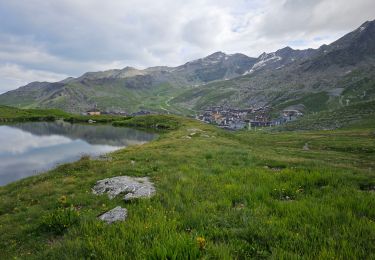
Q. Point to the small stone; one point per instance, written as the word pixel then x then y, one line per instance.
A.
pixel 306 147
pixel 116 214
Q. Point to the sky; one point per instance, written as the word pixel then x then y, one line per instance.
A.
pixel 49 40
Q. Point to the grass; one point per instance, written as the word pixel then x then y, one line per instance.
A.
pixel 8 114
pixel 160 122
pixel 359 115
pixel 109 95
pixel 12 114
pixel 220 195
pixel 312 103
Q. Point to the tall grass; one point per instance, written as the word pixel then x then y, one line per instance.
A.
pixel 220 195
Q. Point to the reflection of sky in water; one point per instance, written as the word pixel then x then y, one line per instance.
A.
pixel 24 154
pixel 15 141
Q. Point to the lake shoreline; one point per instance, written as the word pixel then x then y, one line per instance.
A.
pixel 30 148
pixel 219 194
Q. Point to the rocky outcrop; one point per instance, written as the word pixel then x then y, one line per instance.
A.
pixel 116 214
pixel 132 187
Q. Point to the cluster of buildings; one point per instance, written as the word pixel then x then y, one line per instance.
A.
pixel 235 118
pixel 224 117
pixel 229 118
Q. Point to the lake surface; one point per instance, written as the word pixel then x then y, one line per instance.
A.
pixel 30 148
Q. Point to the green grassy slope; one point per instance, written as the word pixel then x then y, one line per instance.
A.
pixel 279 89
pixel 358 115
pixel 77 97
pixel 219 195
pixel 15 114
pixel 12 114
pixel 313 91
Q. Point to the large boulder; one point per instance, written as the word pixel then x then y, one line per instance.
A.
pixel 116 214
pixel 132 187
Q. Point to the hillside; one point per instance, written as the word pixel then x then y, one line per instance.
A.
pixel 128 89
pixel 8 114
pixel 318 79
pixel 353 116
pixel 332 76
pixel 245 195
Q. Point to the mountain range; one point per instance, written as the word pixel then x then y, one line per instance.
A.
pixel 313 80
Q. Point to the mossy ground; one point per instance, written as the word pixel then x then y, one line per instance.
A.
pixel 220 195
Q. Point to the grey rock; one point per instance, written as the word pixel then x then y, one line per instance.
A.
pixel 132 187
pixel 116 214
pixel 306 147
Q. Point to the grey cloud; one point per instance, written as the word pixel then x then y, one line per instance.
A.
pixel 13 76
pixel 314 17
pixel 43 40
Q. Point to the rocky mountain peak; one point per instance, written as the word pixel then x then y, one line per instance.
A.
pixel 285 50
pixel 128 68
pixel 216 55
pixel 287 66
pixel 367 25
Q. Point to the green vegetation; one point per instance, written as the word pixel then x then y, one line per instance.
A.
pixel 12 114
pixel 9 114
pixel 162 122
pixel 312 103
pixel 211 94
pixel 59 220
pixel 99 119
pixel 359 86
pixel 219 195
pixel 77 97
pixel 358 115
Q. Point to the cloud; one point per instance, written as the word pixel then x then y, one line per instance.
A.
pixel 13 76
pixel 310 18
pixel 15 141
pixel 46 39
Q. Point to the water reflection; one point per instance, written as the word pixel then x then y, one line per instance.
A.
pixel 29 148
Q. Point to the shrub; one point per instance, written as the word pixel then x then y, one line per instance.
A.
pixel 59 220
pixel 160 122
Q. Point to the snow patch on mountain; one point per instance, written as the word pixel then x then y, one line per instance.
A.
pixel 264 59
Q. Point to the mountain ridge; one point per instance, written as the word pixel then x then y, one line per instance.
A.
pixel 219 78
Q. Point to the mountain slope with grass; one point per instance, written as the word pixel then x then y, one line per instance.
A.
pixel 357 115
pixel 245 195
pixel 128 89
pixel 332 76
pixel 318 79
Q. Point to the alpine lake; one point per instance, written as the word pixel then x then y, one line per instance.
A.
pixel 31 148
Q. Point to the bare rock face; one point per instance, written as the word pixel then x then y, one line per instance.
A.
pixel 116 214
pixel 132 187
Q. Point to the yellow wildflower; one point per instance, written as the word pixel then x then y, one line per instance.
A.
pixel 201 242
pixel 62 199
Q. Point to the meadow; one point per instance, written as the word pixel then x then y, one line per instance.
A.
pixel 220 195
